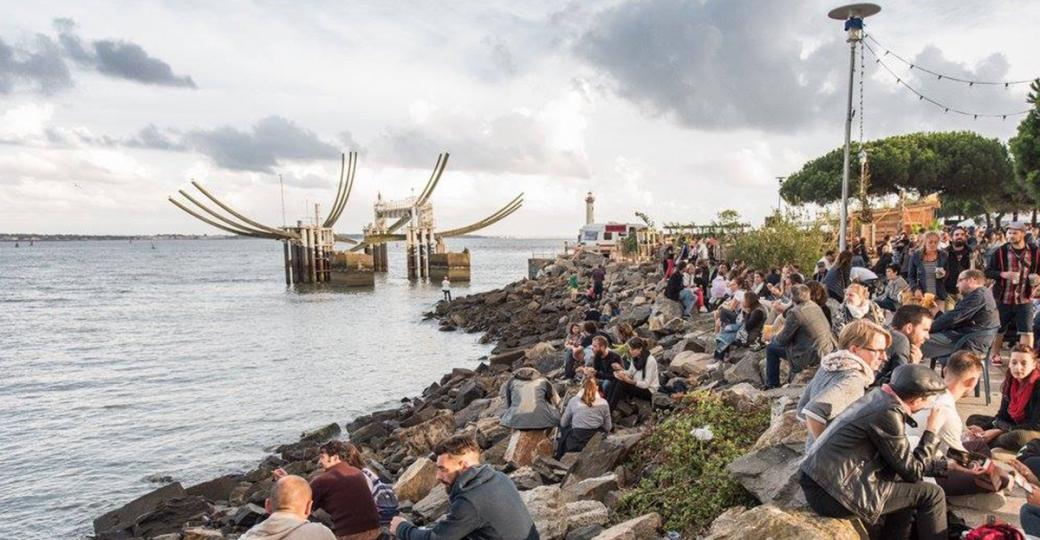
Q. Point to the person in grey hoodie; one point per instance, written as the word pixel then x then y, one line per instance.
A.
pixel 288 506
pixel 844 375
pixel 484 503
pixel 531 402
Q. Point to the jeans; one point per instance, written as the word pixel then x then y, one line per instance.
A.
pixel 688 299
pixel 1029 516
pixel 774 354
pixel 908 502
pixel 618 390
pixel 940 345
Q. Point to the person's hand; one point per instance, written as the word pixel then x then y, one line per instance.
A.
pixel 915 354
pixel 278 474
pixel 935 420
pixel 1006 275
pixel 1034 497
pixel 976 430
pixel 395 523
pixel 918 294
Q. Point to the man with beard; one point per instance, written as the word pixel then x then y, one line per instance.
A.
pixel 484 502
pixel 959 260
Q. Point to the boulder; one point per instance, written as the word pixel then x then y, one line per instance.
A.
pixel 551 470
pixel 525 478
pixel 525 446
pixel 590 488
pixel 489 431
pixel 468 392
pixel 691 364
pixel 420 439
pixel 248 515
pixel 218 489
pixel 601 455
pixel 584 533
pixel 636 316
pixel 417 480
pixel 745 370
pixel 369 433
pixel 770 469
pixel 322 434
pixel 641 528
pixel 201 533
pixel 172 515
pixel 743 397
pixel 471 412
pixel 433 505
pixel 768 521
pixel 670 309
pixel 126 516
pixel 583 514
pixel 547 510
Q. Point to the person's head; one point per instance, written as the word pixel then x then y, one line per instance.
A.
pixel 931 241
pixel 455 454
pixel 800 294
pixel 959 237
pixel 625 331
pixel 599 346
pixel 589 391
pixel 916 385
pixel 969 280
pixel 845 260
pixel 636 346
pixel 1016 233
pixel 913 321
pixel 751 302
pixel 962 372
pixel 589 327
pixel 736 284
pixel 574 329
pixel 291 494
pixel 856 294
pixel 1023 361
pixel 723 268
pixel 760 277
pixel 680 266
pixel 333 453
pixel 867 340
pixel 817 292
pixel 829 255
pixel 892 271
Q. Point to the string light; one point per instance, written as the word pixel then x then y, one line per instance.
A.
pixel 940 76
pixel 944 107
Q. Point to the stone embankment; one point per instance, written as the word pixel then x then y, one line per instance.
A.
pixel 572 498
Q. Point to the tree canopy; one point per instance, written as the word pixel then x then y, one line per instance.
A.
pixel 1025 146
pixel 971 173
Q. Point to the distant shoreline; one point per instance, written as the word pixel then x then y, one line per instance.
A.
pixel 26 237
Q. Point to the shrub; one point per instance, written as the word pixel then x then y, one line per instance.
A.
pixel 780 241
pixel 684 478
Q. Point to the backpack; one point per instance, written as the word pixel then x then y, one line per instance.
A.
pixel 384 497
pixel 994 531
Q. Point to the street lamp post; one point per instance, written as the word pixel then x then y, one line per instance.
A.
pixel 853 15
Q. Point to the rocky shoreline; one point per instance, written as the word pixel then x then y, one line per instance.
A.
pixel 574 498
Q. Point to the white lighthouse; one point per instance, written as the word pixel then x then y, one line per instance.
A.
pixel 589 212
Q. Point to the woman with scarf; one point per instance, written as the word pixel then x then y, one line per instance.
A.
pixel 1018 420
pixel 857 305
pixel 640 380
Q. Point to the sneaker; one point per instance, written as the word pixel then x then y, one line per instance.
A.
pixel 703 309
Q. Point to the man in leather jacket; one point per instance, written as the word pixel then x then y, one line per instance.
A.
pixel 863 464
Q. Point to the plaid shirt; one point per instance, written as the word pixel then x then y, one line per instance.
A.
pixel 1018 261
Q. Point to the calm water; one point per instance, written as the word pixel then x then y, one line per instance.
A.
pixel 119 361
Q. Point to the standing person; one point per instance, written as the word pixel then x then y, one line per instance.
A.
pixel 640 380
pixel 342 492
pixel 585 415
pixel 1014 268
pixel 910 327
pixel 839 276
pixel 484 503
pixel 804 340
pixel 928 268
pixel 958 259
pixel 961 375
pixel 863 464
pixel 288 507
pixel 446 289
pixel 844 375
pixel 1018 420
pixel 598 275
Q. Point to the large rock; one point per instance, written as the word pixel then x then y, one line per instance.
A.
pixel 601 455
pixel 691 364
pixel 127 515
pixel 525 446
pixel 369 433
pixel 547 510
pixel 641 528
pixel 636 316
pixel 590 488
pixel 322 434
pixel 670 309
pixel 199 533
pixel 770 469
pixel 417 480
pixel 218 489
pixel 746 370
pixel 420 439
pixel 172 515
pixel 768 521
pixel 583 514
pixel 468 392
pixel 525 478
pixel 433 505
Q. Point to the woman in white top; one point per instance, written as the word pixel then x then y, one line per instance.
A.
pixel 640 380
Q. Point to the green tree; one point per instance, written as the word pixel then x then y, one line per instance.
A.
pixel 971 173
pixel 1025 146
pixel 780 241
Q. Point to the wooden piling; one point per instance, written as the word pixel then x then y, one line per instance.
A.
pixel 285 255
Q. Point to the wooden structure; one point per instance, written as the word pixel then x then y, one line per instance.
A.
pixel 905 217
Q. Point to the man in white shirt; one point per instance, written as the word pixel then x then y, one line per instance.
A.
pixel 961 375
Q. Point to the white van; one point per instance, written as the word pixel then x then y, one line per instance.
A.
pixel 604 237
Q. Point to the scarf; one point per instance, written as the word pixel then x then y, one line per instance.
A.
pixel 843 360
pixel 1019 393
pixel 858 312
pixel 639 362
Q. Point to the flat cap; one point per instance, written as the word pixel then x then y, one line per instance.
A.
pixel 1016 226
pixel 916 380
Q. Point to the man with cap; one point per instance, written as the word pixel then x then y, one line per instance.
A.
pixel 863 464
pixel 1013 267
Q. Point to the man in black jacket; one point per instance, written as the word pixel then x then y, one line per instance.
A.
pixel 485 504
pixel 863 464
pixel 976 312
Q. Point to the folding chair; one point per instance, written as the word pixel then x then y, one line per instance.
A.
pixel 987 336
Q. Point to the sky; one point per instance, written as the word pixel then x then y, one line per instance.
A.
pixel 675 108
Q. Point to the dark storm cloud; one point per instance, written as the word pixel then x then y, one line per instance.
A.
pixel 272 139
pixel 38 65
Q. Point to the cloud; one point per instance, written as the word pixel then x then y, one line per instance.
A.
pixel 39 66
pixel 271 139
pixel 151 136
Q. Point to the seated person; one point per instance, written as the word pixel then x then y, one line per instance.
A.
pixel 857 305
pixel 910 325
pixel 974 313
pixel 895 284
pixel 961 375
pixel 746 331
pixel 1018 420
pixel 640 380
pixel 863 464
pixel 589 331
pixel 844 375
pixel 804 339
pixel 288 507
pixel 604 362
pixel 586 414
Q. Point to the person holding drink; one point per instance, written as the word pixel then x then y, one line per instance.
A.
pixel 1013 267
pixel 928 269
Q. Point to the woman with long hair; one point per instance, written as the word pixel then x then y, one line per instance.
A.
pixel 839 276
pixel 927 271
pixel 586 414
pixel 640 380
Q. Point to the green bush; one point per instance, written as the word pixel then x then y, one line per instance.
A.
pixel 684 479
pixel 780 241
